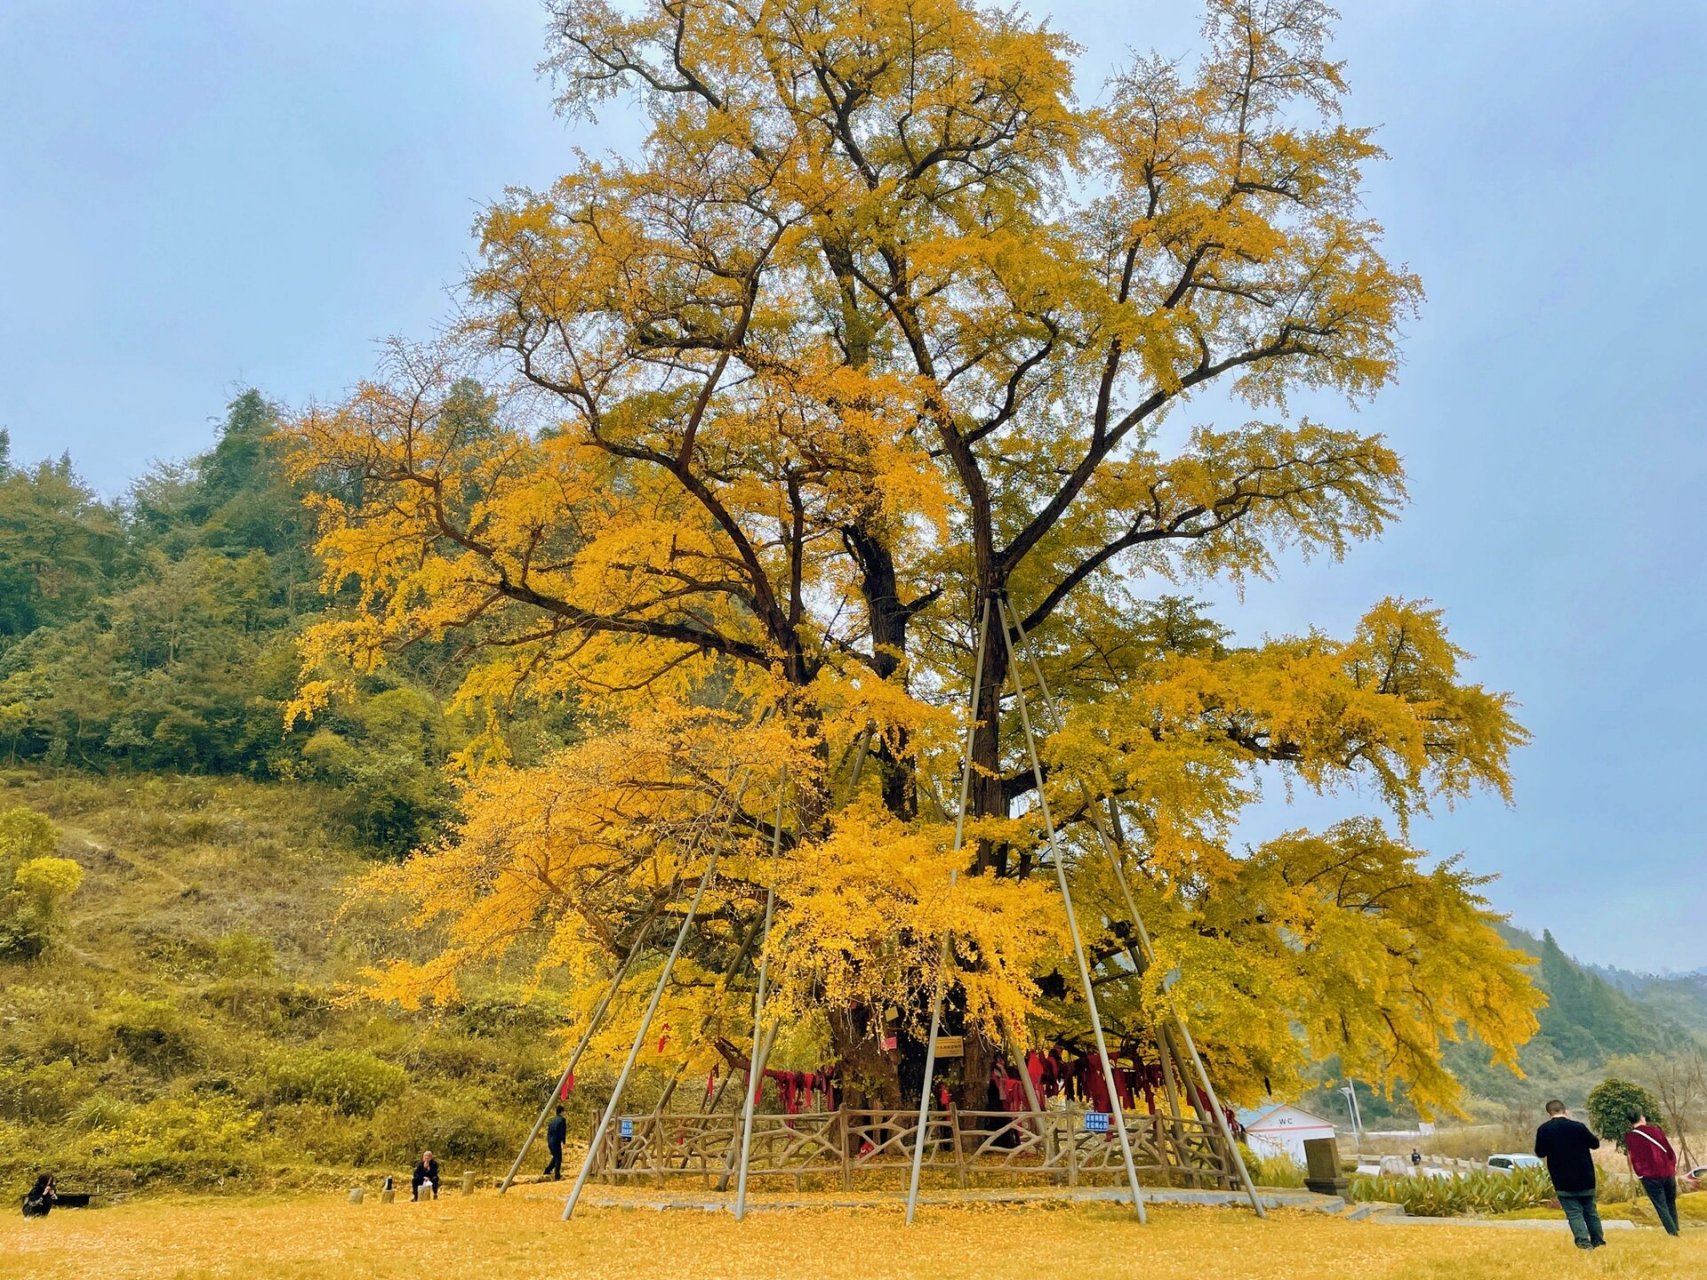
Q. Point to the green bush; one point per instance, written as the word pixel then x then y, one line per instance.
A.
pixel 458 1121
pixel 99 1111
pixel 241 954
pixel 1613 1106
pixel 349 1081
pixel 1477 1193
pixel 34 884
pixel 1273 1171
pixel 191 1142
pixel 154 1034
pixel 40 1094
pixel 25 834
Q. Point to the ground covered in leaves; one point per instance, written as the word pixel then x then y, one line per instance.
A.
pixel 305 1238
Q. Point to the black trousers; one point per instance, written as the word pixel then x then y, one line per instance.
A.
pixel 1663 1192
pixel 554 1167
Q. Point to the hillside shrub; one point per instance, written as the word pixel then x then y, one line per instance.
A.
pixel 347 1080
pixel 99 1111
pixel 154 1034
pixel 189 1141
pixel 40 1094
pixel 34 883
pixel 25 834
pixel 241 954
pixel 455 1120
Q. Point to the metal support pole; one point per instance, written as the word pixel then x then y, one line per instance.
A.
pixel 953 876
pixel 1146 951
pixel 757 1078
pixel 587 1034
pixel 646 1018
pixel 1072 916
pixel 1025 1081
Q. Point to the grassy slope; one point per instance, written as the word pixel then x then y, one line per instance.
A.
pixel 514 1237
pixel 185 1030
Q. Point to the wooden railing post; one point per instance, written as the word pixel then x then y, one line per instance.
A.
pixel 847 1147
pixel 1072 1149
pixel 959 1151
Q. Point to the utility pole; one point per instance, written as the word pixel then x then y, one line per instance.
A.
pixel 1352 1110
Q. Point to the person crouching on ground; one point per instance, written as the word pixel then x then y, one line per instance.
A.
pixel 426 1174
pixel 1655 1163
pixel 1565 1144
pixel 41 1198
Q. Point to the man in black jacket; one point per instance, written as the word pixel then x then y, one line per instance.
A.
pixel 555 1133
pixel 1565 1144
pixel 426 1175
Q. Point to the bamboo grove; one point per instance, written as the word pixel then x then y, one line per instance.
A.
pixel 734 437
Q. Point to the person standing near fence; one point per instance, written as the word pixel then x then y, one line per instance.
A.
pixel 555 1133
pixel 1654 1162
pixel 1565 1144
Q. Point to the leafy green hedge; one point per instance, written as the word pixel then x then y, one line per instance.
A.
pixel 1478 1193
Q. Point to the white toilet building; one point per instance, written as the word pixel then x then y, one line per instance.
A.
pixel 1282 1130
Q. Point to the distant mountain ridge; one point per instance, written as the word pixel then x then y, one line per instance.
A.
pixel 1682 997
pixel 1593 1015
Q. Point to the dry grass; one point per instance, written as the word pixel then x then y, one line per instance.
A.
pixel 484 1238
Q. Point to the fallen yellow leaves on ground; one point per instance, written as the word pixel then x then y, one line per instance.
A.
pixel 488 1238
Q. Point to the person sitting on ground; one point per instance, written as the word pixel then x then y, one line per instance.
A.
pixel 41 1198
pixel 426 1174
pixel 1654 1162
pixel 1565 1144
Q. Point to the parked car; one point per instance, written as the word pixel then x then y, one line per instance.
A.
pixel 1507 1161
pixel 1694 1180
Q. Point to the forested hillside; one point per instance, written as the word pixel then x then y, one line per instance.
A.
pixel 1682 997
pixel 157 633
pixel 172 961
pixel 1588 1025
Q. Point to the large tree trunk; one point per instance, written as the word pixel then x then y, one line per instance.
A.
pixel 869 1072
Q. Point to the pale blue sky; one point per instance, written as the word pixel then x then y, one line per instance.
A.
pixel 196 197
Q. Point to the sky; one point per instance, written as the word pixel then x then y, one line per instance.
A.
pixel 200 197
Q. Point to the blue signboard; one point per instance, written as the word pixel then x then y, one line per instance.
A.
pixel 1096 1122
pixel 627 1127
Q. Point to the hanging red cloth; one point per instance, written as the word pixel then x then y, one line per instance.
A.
pixel 1013 1094
pixel 1055 1072
pixel 1096 1084
pixel 1035 1069
pixel 568 1086
pixel 1123 1080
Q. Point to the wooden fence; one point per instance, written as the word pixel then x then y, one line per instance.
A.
pixel 827 1147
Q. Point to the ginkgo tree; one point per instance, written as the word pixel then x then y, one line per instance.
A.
pixel 881 323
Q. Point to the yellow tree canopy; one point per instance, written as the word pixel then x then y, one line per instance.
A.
pixel 738 435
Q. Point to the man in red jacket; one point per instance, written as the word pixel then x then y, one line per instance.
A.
pixel 1655 1163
